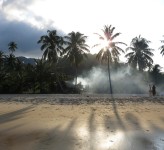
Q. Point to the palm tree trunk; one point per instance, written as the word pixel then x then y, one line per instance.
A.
pixel 61 87
pixel 110 84
pixel 76 76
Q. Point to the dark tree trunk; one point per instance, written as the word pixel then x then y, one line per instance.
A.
pixel 76 76
pixel 110 83
pixel 61 87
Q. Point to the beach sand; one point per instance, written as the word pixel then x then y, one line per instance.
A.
pixel 81 122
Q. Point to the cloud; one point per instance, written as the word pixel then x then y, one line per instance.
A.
pixel 24 34
pixel 21 4
pixel 20 24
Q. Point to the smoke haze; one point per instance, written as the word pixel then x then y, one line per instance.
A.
pixel 124 81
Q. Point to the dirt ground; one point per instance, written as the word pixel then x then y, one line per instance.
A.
pixel 124 125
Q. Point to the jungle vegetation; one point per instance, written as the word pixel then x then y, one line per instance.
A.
pixel 65 58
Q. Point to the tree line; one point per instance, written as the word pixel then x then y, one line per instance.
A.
pixel 65 57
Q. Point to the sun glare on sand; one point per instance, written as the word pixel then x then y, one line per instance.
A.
pixel 100 139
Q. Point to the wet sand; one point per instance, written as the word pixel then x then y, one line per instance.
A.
pixel 81 122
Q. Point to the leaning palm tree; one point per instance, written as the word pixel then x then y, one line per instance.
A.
pixel 162 48
pixel 109 50
pixel 76 49
pixel 51 45
pixel 12 46
pixel 140 54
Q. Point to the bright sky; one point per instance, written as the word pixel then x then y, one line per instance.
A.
pixel 130 17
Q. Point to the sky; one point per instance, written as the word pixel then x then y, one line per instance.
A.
pixel 24 21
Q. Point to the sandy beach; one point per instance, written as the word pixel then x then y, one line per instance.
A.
pixel 81 122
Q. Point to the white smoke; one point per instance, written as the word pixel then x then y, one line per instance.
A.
pixel 125 81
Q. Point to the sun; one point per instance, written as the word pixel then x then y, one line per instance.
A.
pixel 105 43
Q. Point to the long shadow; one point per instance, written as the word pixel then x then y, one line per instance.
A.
pixel 21 140
pixel 137 138
pixel 59 139
pixel 48 139
pixel 9 129
pixel 14 114
pixel 115 110
pixel 92 131
pixel 152 139
pixel 133 120
pixel 110 123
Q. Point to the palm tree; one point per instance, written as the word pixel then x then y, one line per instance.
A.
pixel 51 45
pixel 2 70
pixel 109 50
pixel 2 56
pixel 42 69
pixel 12 46
pixel 30 77
pixel 76 49
pixel 20 74
pixel 156 74
pixel 11 62
pixel 140 54
pixel 162 48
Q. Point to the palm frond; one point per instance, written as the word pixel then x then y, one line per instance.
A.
pixel 95 45
pixel 114 36
pixel 120 43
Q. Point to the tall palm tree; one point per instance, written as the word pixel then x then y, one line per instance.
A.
pixel 162 48
pixel 51 45
pixel 12 46
pixel 76 49
pixel 140 54
pixel 109 50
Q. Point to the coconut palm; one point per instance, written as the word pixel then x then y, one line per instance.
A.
pixel 42 69
pixel 162 48
pixel 11 62
pixel 140 54
pixel 109 50
pixel 51 45
pixel 76 49
pixel 12 46
pixel 2 56
pixel 2 69
pixel 156 74
pixel 20 74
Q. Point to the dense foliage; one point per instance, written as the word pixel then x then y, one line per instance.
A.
pixel 56 71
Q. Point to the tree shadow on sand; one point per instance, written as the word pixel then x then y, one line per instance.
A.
pixel 137 138
pixel 92 130
pixel 117 115
pixel 17 114
pixel 59 139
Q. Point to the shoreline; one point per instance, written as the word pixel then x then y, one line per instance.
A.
pixel 78 99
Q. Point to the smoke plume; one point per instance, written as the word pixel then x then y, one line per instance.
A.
pixel 124 81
